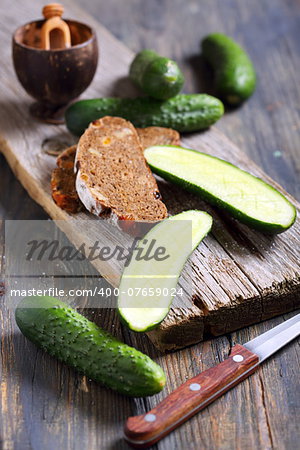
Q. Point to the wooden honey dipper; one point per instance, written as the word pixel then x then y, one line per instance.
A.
pixel 55 33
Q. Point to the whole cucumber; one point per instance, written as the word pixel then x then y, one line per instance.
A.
pixel 67 335
pixel 182 113
pixel 235 77
pixel 157 76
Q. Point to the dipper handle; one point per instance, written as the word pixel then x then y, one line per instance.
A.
pixel 53 10
pixel 55 32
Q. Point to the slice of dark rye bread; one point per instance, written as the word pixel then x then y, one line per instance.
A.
pixel 63 178
pixel 112 174
pixel 158 136
pixel 63 189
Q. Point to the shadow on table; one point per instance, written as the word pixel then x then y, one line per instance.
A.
pixel 124 87
pixel 56 396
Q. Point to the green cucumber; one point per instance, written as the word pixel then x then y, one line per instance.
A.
pixel 73 339
pixel 147 288
pixel 246 197
pixel 182 113
pixel 157 76
pixel 235 77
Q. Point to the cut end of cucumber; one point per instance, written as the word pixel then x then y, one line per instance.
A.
pixel 246 197
pixel 147 288
pixel 141 319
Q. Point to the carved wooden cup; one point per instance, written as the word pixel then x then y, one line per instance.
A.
pixel 54 77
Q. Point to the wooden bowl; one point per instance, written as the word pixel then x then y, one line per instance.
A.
pixel 54 77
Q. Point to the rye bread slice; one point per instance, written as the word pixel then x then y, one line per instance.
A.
pixel 66 159
pixel 63 189
pixel 63 181
pixel 112 174
pixel 158 136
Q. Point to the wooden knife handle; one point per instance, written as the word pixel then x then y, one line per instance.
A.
pixel 192 396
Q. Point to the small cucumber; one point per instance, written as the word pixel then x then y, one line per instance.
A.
pixel 157 76
pixel 235 77
pixel 147 288
pixel 246 197
pixel 70 337
pixel 182 113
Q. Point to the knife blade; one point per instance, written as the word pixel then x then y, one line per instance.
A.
pixel 273 340
pixel 145 430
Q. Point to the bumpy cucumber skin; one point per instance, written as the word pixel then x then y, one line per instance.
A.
pixel 157 76
pixel 184 113
pixel 239 215
pixel 235 77
pixel 73 339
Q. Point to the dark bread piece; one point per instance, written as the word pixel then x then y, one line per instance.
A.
pixel 158 136
pixel 63 181
pixel 66 159
pixel 63 190
pixel 112 173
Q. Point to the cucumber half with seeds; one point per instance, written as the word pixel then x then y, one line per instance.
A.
pixel 246 197
pixel 147 287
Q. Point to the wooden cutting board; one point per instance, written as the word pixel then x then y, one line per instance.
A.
pixel 239 276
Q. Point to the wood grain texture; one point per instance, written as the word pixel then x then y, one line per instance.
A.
pixel 45 405
pixel 236 276
pixel 192 396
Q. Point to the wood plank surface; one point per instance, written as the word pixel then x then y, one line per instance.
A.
pixel 235 277
pixel 45 405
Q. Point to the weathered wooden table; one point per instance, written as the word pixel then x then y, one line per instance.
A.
pixel 45 405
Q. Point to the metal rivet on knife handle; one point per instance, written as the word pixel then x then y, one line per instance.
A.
pixel 238 358
pixel 195 387
pixel 150 417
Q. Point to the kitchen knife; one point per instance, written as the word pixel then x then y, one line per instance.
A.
pixel 196 393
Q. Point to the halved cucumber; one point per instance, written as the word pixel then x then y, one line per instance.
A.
pixel 148 287
pixel 246 197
